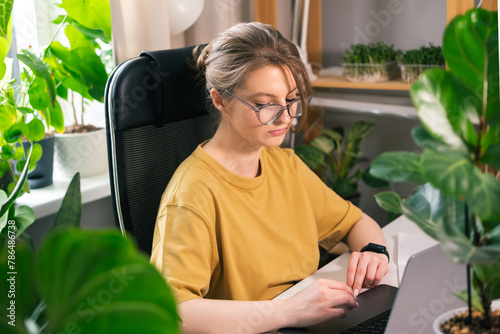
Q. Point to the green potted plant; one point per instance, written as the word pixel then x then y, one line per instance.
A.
pixel 37 103
pixel 457 202
pixel 335 157
pixel 81 70
pixel 374 62
pixel 80 281
pixel 29 113
pixel 415 61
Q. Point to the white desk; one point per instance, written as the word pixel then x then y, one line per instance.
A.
pixel 337 269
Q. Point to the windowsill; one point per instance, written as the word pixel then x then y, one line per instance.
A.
pixel 46 201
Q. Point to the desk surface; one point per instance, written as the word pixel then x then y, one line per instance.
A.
pixel 337 269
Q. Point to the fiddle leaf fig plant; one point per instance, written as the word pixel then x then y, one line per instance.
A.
pixel 458 198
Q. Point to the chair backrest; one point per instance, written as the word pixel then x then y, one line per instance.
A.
pixel 155 117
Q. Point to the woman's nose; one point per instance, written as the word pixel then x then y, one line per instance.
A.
pixel 284 117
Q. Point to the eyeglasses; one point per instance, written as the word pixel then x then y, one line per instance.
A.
pixel 268 113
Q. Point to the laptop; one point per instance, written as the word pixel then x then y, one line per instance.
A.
pixel 426 291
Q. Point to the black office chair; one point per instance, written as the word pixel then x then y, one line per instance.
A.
pixel 155 117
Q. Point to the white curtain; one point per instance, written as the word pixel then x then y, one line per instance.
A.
pixel 143 25
pixel 139 25
pixel 217 16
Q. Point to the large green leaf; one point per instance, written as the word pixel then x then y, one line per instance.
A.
pixel 37 92
pixel 398 167
pixel 34 130
pixel 357 132
pixel 493 236
pixel 24 216
pixel 311 156
pixel 492 156
pixel 333 134
pixel 14 133
pixel 93 14
pixel 484 197
pixel 19 270
pixel 490 147
pixel 344 187
pixel 41 70
pixel 443 108
pixel 7 116
pixel 490 277
pixel 71 207
pixel 57 118
pixel 83 61
pixel 97 282
pixel 452 172
pixel 470 47
pixel 423 138
pixel 66 79
pixel 5 28
pixel 428 208
pixel 373 181
pixel 390 201
pixel 461 250
pixel 324 144
pixel 476 300
pixel 5 14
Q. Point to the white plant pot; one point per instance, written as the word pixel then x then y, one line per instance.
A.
pixel 81 152
pixel 495 305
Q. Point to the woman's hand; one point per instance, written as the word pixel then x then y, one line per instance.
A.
pixel 366 270
pixel 322 300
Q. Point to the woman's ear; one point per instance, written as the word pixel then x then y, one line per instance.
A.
pixel 217 100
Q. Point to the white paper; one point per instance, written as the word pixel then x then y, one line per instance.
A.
pixel 409 244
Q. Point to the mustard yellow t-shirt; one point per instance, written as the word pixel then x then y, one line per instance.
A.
pixel 219 235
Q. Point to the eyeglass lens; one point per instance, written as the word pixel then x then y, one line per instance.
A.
pixel 271 113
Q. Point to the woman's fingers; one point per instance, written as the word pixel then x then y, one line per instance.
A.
pixel 365 270
pixel 322 300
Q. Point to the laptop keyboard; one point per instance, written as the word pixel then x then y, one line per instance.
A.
pixel 372 326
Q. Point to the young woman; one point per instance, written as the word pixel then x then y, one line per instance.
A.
pixel 241 218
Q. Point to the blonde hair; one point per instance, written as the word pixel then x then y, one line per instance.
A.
pixel 246 47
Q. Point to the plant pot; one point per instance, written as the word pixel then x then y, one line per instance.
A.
pixel 5 180
pixel 495 305
pixel 81 152
pixel 42 175
pixel 370 72
pixel 411 72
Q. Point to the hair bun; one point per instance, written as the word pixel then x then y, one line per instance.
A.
pixel 200 54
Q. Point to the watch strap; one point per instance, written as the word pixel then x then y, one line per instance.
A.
pixel 376 248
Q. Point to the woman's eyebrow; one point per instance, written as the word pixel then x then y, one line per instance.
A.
pixel 263 94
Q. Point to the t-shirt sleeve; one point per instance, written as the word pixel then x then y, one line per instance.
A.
pixel 183 252
pixel 334 215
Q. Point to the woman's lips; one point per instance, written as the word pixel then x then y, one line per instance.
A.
pixel 278 132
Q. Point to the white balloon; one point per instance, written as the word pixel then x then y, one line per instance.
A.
pixel 183 14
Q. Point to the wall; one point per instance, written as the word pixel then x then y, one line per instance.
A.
pixel 405 23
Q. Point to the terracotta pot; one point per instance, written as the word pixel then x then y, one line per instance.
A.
pixel 81 152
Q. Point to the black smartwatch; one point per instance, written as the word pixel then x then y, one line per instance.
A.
pixel 371 247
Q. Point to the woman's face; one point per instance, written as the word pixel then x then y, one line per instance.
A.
pixel 268 85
